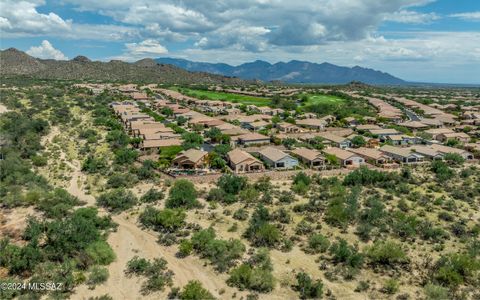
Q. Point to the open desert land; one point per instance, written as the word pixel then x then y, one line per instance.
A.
pixel 125 192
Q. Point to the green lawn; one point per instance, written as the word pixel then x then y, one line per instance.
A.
pixel 324 99
pixel 235 98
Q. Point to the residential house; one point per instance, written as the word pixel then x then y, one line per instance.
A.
pixel 288 127
pixel 345 157
pixel 336 140
pixel 243 162
pixel 255 125
pixel 312 158
pixel 437 131
pixel 278 159
pixel 426 151
pixel 402 139
pixel 190 159
pixel 446 149
pixel 372 156
pixel 157 144
pixel 459 136
pixel 402 155
pixel 316 124
pixel 384 132
pixel 252 139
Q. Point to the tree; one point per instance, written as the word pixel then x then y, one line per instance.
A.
pixel 182 194
pixel 125 156
pixel 166 220
pixel 191 140
pixel 117 200
pixel 232 184
pixel 386 253
pixel 307 288
pixel 195 291
pixel 358 141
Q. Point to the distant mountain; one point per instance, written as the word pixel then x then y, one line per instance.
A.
pixel 293 72
pixel 16 62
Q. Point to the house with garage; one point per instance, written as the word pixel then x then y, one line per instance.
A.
pixel 383 133
pixel 446 149
pixel 243 162
pixel 315 124
pixel 336 140
pixel 346 158
pixel 277 159
pixel 312 158
pixel 427 151
pixel 402 155
pixel 372 156
pixel 190 159
pixel 252 139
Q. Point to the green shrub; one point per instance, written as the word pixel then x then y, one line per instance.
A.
pixel 152 195
pixel 436 292
pixel 182 194
pixel 167 220
pixel 386 253
pixel 307 288
pixel 232 184
pixel 185 248
pixel 391 286
pixel 97 276
pixel 100 253
pixel 343 253
pixel 318 243
pixel 117 200
pixel 195 291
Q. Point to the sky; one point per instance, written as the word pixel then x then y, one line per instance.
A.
pixel 416 40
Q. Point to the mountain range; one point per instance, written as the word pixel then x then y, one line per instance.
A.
pixel 14 62
pixel 292 72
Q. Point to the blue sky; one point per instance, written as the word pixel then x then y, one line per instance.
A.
pixel 416 40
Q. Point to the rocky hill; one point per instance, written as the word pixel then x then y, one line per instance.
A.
pixel 293 72
pixel 15 62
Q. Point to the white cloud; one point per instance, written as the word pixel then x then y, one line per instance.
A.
pixel 146 49
pixel 411 17
pixel 469 16
pixel 46 51
pixel 22 18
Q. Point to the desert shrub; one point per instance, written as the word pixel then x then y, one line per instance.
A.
pixel 152 195
pixel 307 288
pixel 343 253
pixel 39 160
pixel 120 180
pixel 455 268
pixel 167 220
pixel 318 243
pixel 97 276
pixel 100 253
pixel 219 195
pixel 436 292
pixel 125 156
pixel 286 197
pixel 195 291
pixel 240 214
pixel 182 194
pixel 185 248
pixel 366 176
pixel 232 184
pixel 249 195
pixel 391 286
pixel 441 170
pixel 117 200
pixel 260 232
pixel 281 215
pixel 386 253
pixel 221 253
pixel 94 164
pixel 453 159
pixel 255 275
pixel 156 271
pixel 57 203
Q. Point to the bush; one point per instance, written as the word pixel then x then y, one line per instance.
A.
pixel 185 248
pixel 195 291
pixel 152 195
pixel 390 286
pixel 455 268
pixel 232 184
pixel 125 156
pixel 240 214
pixel 386 253
pixel 100 253
pixel 119 180
pixel 182 194
pixel 117 200
pixel 318 243
pixel 167 220
pixel 307 288
pixel 97 276
pixel 247 277
pixel 259 231
pixel 94 164
pixel 348 255
pixel 39 160
pixel 441 170
pixel 156 272
pixel 436 292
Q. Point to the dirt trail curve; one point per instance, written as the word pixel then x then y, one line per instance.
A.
pixel 129 240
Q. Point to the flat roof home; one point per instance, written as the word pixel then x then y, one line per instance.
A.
pixel 401 155
pixel 243 162
pixel 317 124
pixel 156 144
pixel 336 140
pixel 446 149
pixel 459 136
pixel 252 139
pixel 372 156
pixel 190 159
pixel 427 151
pixel 345 157
pixel 312 158
pixel 382 133
pixel 278 159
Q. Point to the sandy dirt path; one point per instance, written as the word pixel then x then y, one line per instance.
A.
pixel 3 108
